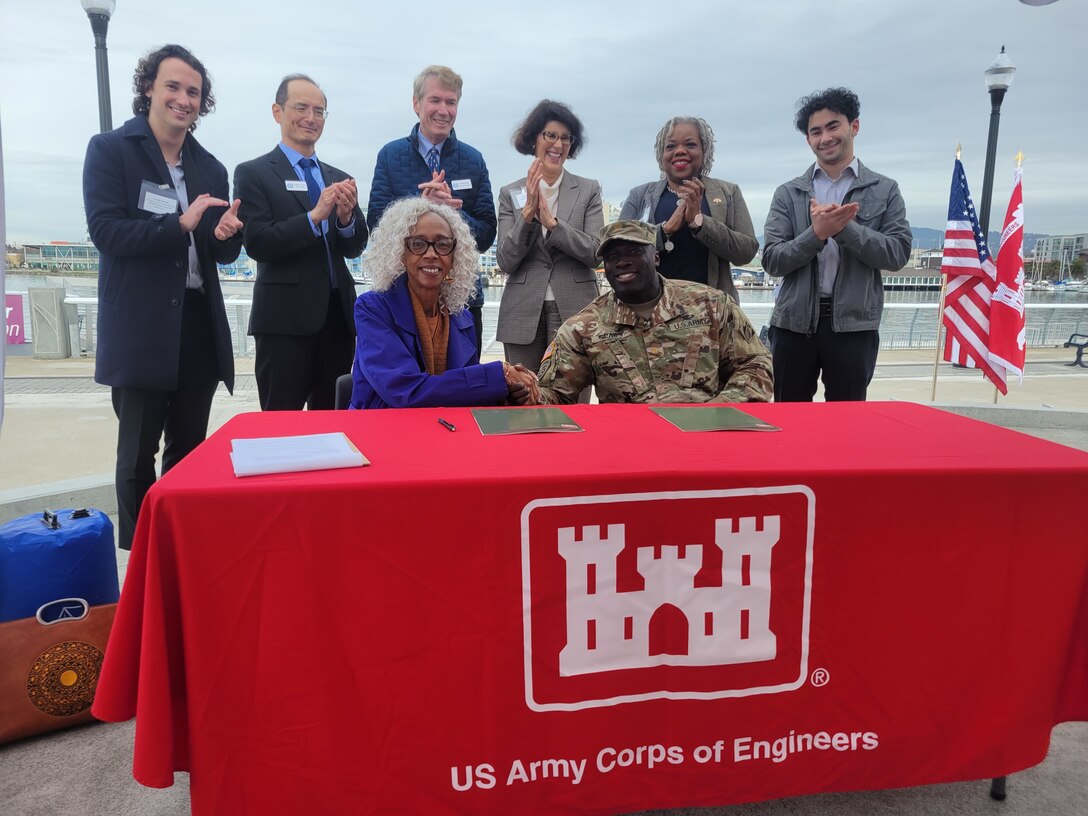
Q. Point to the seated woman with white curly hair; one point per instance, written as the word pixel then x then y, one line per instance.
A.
pixel 416 344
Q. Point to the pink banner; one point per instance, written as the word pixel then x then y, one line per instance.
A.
pixel 13 319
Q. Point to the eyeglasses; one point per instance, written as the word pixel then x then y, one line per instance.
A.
pixel 620 253
pixel 551 138
pixel 302 111
pixel 441 246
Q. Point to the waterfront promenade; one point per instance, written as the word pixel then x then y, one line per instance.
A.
pixel 57 447
pixel 60 432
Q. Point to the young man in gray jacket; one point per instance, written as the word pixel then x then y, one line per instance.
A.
pixel 829 233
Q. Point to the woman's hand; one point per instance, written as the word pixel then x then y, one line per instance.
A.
pixel 544 213
pixel 676 220
pixel 691 194
pixel 532 191
pixel 521 385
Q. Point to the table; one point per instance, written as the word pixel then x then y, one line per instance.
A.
pixel 879 595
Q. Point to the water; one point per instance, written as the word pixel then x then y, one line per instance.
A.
pixel 907 323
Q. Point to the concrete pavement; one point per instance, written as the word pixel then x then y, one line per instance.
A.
pixel 57 448
pixel 59 430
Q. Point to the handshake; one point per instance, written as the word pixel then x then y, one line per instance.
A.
pixel 521 385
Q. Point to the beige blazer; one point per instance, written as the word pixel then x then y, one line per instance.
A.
pixel 566 259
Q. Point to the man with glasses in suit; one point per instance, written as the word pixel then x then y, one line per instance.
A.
pixel 302 219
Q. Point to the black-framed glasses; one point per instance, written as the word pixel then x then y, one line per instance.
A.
pixel 441 246
pixel 302 111
pixel 552 137
pixel 620 253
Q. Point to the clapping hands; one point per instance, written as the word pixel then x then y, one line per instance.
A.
pixel 438 191
pixel 828 220
pixel 536 205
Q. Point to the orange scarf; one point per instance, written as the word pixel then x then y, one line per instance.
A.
pixel 434 336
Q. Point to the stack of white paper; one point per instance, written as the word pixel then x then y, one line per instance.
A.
pixel 290 454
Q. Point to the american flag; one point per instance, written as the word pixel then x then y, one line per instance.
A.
pixel 971 282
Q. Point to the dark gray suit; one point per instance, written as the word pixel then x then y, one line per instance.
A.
pixel 292 297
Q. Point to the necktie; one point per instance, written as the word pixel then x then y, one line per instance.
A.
pixel 312 187
pixel 314 190
pixel 432 159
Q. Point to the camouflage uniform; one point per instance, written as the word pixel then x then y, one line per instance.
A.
pixel 697 346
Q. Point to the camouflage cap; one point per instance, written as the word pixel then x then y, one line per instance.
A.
pixel 637 232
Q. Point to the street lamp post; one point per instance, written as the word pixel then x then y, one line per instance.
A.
pixel 99 13
pixel 998 80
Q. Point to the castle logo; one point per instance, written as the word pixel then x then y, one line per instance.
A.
pixel 679 595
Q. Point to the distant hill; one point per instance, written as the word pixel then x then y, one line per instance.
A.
pixel 927 238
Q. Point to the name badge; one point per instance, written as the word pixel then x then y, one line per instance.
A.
pixel 461 184
pixel 519 198
pixel 159 199
pixel 296 186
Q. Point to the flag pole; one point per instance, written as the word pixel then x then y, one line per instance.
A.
pixel 940 314
pixel 940 327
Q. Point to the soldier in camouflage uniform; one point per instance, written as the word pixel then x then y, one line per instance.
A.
pixel 653 339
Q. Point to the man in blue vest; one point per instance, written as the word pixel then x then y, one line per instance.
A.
pixel 432 162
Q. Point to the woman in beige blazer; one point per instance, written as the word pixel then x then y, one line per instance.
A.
pixel 703 224
pixel 548 235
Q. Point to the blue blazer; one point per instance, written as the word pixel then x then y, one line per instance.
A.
pixel 144 258
pixel 389 370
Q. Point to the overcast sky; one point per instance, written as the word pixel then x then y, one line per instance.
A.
pixel 624 67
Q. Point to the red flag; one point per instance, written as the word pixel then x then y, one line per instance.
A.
pixel 971 282
pixel 1007 334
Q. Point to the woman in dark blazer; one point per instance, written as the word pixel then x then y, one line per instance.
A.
pixel 548 235
pixel 703 224
pixel 416 342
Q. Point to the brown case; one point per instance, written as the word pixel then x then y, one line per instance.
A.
pixel 49 672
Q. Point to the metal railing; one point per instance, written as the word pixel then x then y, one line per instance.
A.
pixel 902 326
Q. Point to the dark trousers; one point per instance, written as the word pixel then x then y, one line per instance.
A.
pixel 180 417
pixel 530 354
pixel 296 371
pixel 845 361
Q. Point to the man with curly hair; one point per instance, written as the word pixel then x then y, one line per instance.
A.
pixel 155 202
pixel 829 233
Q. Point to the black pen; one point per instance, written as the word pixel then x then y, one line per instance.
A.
pixel 447 425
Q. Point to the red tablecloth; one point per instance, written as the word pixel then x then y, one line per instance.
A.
pixel 879 595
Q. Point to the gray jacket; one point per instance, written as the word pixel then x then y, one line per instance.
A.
pixel 727 232
pixel 878 238
pixel 565 260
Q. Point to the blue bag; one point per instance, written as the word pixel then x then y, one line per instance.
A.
pixel 68 554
